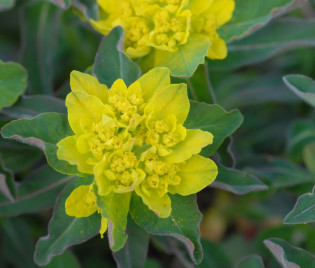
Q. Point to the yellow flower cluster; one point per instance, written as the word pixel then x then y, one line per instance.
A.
pixel 165 25
pixel 133 139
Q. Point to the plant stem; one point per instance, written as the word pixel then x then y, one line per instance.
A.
pixel 214 99
pixel 191 90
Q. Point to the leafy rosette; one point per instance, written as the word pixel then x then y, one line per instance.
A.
pixel 132 140
pixel 159 30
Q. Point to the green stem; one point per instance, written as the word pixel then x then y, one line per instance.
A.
pixel 191 90
pixel 214 99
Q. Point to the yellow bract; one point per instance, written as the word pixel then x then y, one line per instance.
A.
pixel 133 139
pixel 165 24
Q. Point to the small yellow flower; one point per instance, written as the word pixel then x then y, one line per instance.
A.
pixel 133 140
pixel 165 25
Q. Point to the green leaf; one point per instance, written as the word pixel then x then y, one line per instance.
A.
pixel 65 231
pixel 251 15
pixel 302 86
pixel 67 259
pixel 215 120
pixel 20 158
pixel 153 263
pixel 172 246
pixel 44 128
pixel 134 253
pixel 252 261
pixel 237 182
pixel 214 256
pixel 183 223
pixel 89 8
pixel 301 134
pixel 38 29
pixel 30 106
pixel 6 4
pixel 185 60
pixel 268 42
pixel 289 256
pixel 61 3
pixel 198 89
pixel 111 63
pixel 12 83
pixel 281 173
pixel 37 192
pixel 7 184
pixel 43 131
pixel 115 209
pixel 309 157
pixel 18 247
pixel 248 90
pixel 303 211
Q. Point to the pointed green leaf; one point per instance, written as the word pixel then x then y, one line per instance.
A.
pixel 215 120
pixel 289 256
pixel 12 83
pixel 253 261
pixel 303 211
pixel 30 106
pixel 237 182
pixel 37 192
pixel 186 59
pixel 111 63
pixel 43 131
pixel 65 231
pixel 268 42
pixel 134 253
pixel 183 223
pixel 281 173
pixel 302 86
pixel 115 209
pixel 251 15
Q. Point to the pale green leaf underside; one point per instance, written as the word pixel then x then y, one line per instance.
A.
pixel 302 86
pixel 288 255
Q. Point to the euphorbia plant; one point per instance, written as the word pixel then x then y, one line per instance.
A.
pixel 128 150
pixel 132 140
pixel 177 34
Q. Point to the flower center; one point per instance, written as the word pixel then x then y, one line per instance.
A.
pixel 126 9
pixel 138 27
pixel 159 175
pixel 206 25
pixel 170 29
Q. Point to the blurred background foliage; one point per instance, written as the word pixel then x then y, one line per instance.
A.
pixel 278 128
